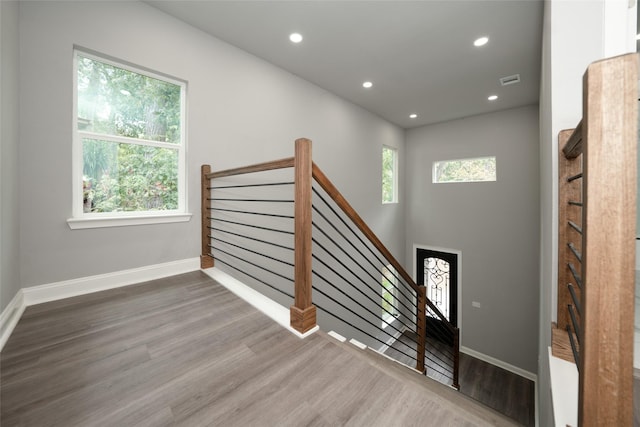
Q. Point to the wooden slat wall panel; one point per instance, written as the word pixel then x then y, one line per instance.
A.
pixel 567 191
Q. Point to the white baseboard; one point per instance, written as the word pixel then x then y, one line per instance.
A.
pixel 10 317
pixel 500 364
pixel 266 305
pixel 85 285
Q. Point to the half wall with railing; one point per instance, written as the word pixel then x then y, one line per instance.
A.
pixel 284 228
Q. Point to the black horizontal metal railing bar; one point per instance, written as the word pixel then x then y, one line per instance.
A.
pixel 574 297
pixel 252 213
pixel 574 348
pixel 448 354
pixel 341 248
pixel 440 334
pixel 275 288
pixel 249 238
pixel 290 264
pixel 445 370
pixel 574 321
pixel 357 289
pixel 377 326
pixel 575 226
pixel 223 199
pixel 575 251
pixel 330 283
pixel 352 325
pixel 252 263
pixel 575 275
pixel 317 193
pixel 571 202
pixel 574 177
pixel 395 275
pixel 266 184
pixel 252 226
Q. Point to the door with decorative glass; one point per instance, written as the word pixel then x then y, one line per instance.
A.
pixel 438 272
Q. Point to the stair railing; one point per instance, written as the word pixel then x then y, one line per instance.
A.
pixel 411 309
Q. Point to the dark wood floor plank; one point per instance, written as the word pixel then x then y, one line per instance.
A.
pixel 495 387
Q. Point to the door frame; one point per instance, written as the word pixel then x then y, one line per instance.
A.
pixel 458 254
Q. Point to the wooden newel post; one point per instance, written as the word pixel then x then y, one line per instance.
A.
pixel 456 359
pixel 206 259
pixel 421 327
pixel 303 312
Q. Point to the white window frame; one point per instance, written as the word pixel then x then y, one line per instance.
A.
pixel 387 318
pixel 434 167
pixel 395 175
pixel 81 219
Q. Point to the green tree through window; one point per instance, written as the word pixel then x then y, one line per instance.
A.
pixel 129 126
pixel 389 175
pixel 465 170
pixel 389 295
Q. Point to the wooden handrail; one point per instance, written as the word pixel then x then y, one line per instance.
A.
pixel 259 167
pixel 351 213
pixel 573 147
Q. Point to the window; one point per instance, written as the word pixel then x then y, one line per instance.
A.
pixel 389 175
pixel 389 295
pixel 129 142
pixel 465 170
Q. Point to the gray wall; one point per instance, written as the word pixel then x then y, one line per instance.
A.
pixel 240 110
pixel 9 219
pixel 494 224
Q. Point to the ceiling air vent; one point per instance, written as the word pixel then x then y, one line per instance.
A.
pixel 510 80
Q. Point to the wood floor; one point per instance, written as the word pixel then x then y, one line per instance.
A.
pixel 504 391
pixel 185 351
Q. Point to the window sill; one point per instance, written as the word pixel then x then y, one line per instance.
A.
pixel 123 221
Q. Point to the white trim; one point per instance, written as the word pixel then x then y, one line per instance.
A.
pixel 269 307
pixel 85 285
pixel 499 363
pixel 460 287
pixel 337 336
pixel 358 344
pixel 82 223
pixel 564 391
pixel 10 317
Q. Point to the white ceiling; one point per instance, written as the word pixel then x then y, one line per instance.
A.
pixel 418 54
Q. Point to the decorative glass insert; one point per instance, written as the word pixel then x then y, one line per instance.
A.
pixel 436 279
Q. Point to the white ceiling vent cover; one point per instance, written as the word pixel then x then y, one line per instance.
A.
pixel 510 80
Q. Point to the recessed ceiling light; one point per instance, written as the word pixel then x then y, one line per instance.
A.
pixel 492 97
pixel 367 85
pixel 481 41
pixel 413 116
pixel 125 92
pixel 295 37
